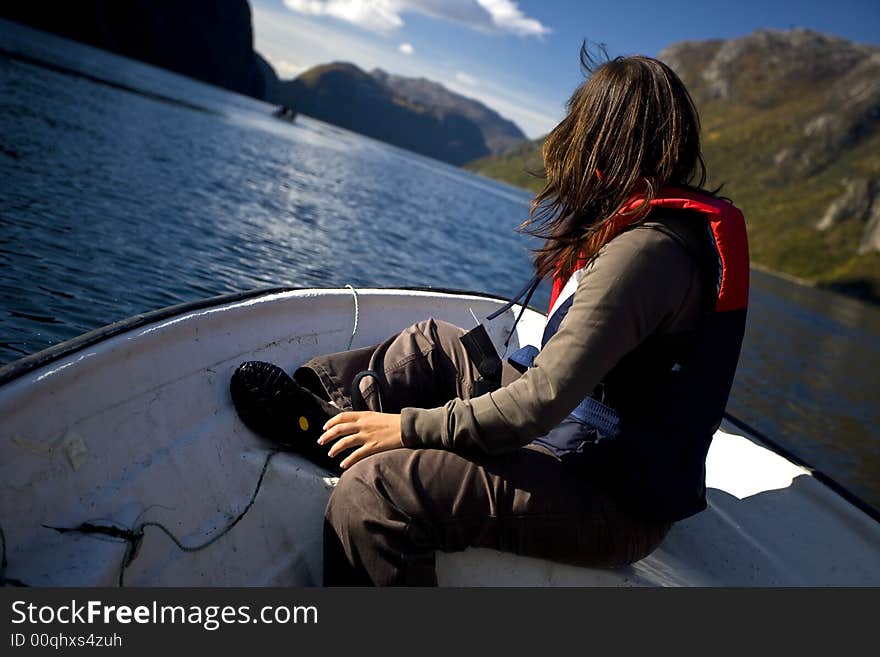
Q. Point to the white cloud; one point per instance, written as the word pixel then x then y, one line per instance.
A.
pixel 464 78
pixel 376 15
pixel 387 15
pixel 283 67
pixel 506 15
pixel 406 48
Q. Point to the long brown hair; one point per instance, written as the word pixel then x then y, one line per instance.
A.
pixel 631 127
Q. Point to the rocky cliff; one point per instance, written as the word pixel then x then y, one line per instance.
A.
pixel 210 40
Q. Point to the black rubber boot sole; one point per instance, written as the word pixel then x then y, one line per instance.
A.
pixel 276 407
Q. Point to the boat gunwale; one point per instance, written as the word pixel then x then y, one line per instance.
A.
pixel 27 364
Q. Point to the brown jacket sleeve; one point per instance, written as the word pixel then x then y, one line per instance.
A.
pixel 636 286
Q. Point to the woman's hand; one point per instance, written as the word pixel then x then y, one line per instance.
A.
pixel 368 431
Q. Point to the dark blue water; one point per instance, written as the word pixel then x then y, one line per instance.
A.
pixel 114 202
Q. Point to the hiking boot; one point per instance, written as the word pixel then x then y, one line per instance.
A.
pixel 274 406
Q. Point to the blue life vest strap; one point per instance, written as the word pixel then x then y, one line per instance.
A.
pixel 594 413
pixel 524 356
pixel 590 411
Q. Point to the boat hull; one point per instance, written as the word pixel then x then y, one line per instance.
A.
pixel 136 426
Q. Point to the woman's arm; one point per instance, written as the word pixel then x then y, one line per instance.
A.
pixel 638 282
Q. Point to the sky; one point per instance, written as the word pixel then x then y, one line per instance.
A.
pixel 520 57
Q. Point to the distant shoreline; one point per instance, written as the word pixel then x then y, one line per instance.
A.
pixel 791 278
pixel 872 301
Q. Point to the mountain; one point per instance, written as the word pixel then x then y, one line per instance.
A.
pixel 342 94
pixel 210 40
pixel 791 128
pixel 271 83
pixel 520 166
pixel 499 133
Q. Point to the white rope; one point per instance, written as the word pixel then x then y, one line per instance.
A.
pixel 356 316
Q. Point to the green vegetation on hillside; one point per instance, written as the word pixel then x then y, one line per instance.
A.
pixel 520 166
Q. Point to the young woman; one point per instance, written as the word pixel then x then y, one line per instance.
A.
pixel 586 452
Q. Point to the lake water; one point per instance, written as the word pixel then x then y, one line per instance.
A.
pixel 114 201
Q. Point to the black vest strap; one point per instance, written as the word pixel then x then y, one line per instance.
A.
pixel 527 291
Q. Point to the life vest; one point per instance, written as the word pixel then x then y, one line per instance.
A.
pixel 656 464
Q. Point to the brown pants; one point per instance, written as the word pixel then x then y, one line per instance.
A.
pixel 390 512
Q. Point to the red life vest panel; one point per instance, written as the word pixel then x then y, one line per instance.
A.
pixel 728 231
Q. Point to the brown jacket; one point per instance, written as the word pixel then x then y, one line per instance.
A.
pixel 643 283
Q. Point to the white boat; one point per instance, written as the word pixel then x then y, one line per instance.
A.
pixel 131 427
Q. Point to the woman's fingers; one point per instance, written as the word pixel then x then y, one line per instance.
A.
pixel 337 427
pixel 364 432
pixel 345 443
pixel 341 418
pixel 358 454
pixel 339 431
